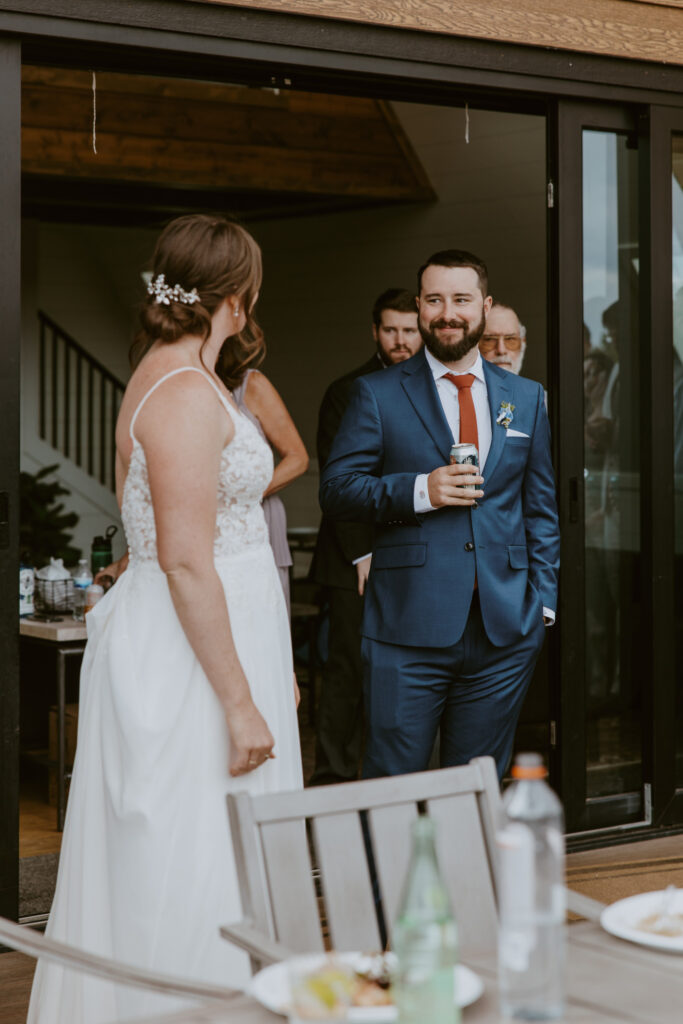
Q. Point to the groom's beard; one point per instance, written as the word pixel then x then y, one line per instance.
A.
pixel 452 351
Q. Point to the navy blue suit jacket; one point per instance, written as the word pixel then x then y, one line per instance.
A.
pixel 423 566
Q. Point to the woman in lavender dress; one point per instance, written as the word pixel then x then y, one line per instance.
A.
pixel 260 402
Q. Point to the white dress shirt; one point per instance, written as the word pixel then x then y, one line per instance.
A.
pixel 448 396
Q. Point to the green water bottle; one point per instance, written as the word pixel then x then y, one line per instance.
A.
pixel 425 938
pixel 100 553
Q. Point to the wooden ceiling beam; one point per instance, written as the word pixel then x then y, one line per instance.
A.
pixel 199 135
pixel 214 165
pixel 155 117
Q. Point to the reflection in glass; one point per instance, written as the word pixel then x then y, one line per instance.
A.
pixel 611 464
pixel 677 239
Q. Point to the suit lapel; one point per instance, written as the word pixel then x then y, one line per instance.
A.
pixel 418 383
pixel 498 391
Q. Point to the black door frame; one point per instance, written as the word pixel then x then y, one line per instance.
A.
pixel 236 44
pixel 659 528
pixel 653 127
pixel 10 318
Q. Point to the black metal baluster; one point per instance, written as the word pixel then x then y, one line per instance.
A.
pixel 53 389
pixel 112 440
pixel 41 371
pixel 79 410
pixel 103 445
pixel 66 448
pixel 91 419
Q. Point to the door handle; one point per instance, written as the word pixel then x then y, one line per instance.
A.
pixel 573 499
pixel 4 520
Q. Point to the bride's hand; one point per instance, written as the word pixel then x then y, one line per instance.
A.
pixel 297 693
pixel 251 740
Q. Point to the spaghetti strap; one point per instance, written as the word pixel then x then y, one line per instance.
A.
pixel 172 373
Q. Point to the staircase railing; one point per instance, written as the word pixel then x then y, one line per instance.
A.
pixel 79 403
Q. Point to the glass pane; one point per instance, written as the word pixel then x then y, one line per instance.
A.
pixel 677 240
pixel 611 467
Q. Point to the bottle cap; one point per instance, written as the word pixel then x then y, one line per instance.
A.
pixel 529 766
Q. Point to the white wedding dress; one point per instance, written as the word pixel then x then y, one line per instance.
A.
pixel 147 872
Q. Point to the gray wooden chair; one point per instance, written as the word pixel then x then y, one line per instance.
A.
pixel 26 940
pixel 303 858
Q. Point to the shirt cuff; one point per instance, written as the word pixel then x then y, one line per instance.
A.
pixel 548 613
pixel 362 558
pixel 421 502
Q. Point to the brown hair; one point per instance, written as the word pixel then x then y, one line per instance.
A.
pixel 398 299
pixel 219 258
pixel 456 258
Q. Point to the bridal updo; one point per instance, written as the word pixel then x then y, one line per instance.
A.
pixel 198 261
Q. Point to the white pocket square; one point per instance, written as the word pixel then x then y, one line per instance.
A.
pixel 514 433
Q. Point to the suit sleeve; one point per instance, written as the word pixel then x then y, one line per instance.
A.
pixel 331 413
pixel 354 539
pixel 539 506
pixel 353 486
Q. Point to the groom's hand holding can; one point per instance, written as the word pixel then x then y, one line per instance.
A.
pixel 457 483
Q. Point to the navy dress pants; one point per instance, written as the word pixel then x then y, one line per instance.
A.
pixel 472 691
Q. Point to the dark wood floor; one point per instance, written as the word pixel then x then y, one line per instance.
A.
pixel 16 975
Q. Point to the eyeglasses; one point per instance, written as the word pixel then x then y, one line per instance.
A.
pixel 488 342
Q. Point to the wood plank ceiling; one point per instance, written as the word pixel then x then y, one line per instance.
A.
pixel 175 143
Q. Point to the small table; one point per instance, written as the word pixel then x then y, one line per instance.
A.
pixel 64 639
pixel 609 981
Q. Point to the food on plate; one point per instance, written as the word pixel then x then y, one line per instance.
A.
pixel 670 925
pixel 374 975
pixel 323 993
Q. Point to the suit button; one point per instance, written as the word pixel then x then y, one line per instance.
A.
pixel 469 546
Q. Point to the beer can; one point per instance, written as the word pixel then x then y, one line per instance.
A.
pixel 464 454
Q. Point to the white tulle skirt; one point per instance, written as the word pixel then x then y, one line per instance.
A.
pixel 147 872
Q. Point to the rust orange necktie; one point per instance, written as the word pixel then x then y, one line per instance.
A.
pixel 468 417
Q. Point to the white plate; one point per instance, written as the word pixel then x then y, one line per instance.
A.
pixel 621 919
pixel 271 988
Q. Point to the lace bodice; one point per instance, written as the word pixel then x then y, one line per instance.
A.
pixel 245 472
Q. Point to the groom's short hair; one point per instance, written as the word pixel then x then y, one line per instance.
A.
pixel 456 258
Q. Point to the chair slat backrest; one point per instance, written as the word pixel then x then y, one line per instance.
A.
pixel 464 863
pixel 346 882
pixel 276 870
pixel 389 827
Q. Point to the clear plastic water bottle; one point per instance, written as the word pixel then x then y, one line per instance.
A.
pixel 82 580
pixel 27 579
pixel 93 594
pixel 532 905
pixel 425 939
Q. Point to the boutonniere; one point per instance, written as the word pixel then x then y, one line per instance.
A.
pixel 505 412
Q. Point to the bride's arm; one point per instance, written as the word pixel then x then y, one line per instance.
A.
pixel 183 429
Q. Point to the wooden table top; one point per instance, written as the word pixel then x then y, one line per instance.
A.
pixel 609 981
pixel 63 631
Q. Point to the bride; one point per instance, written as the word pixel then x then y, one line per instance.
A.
pixel 187 685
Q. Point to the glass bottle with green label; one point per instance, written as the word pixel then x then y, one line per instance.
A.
pixel 425 938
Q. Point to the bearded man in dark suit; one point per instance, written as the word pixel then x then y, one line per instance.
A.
pixel 464 559
pixel 342 557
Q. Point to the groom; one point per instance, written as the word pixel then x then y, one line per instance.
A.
pixel 464 566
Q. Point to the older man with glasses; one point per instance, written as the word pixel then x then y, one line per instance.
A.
pixel 504 339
